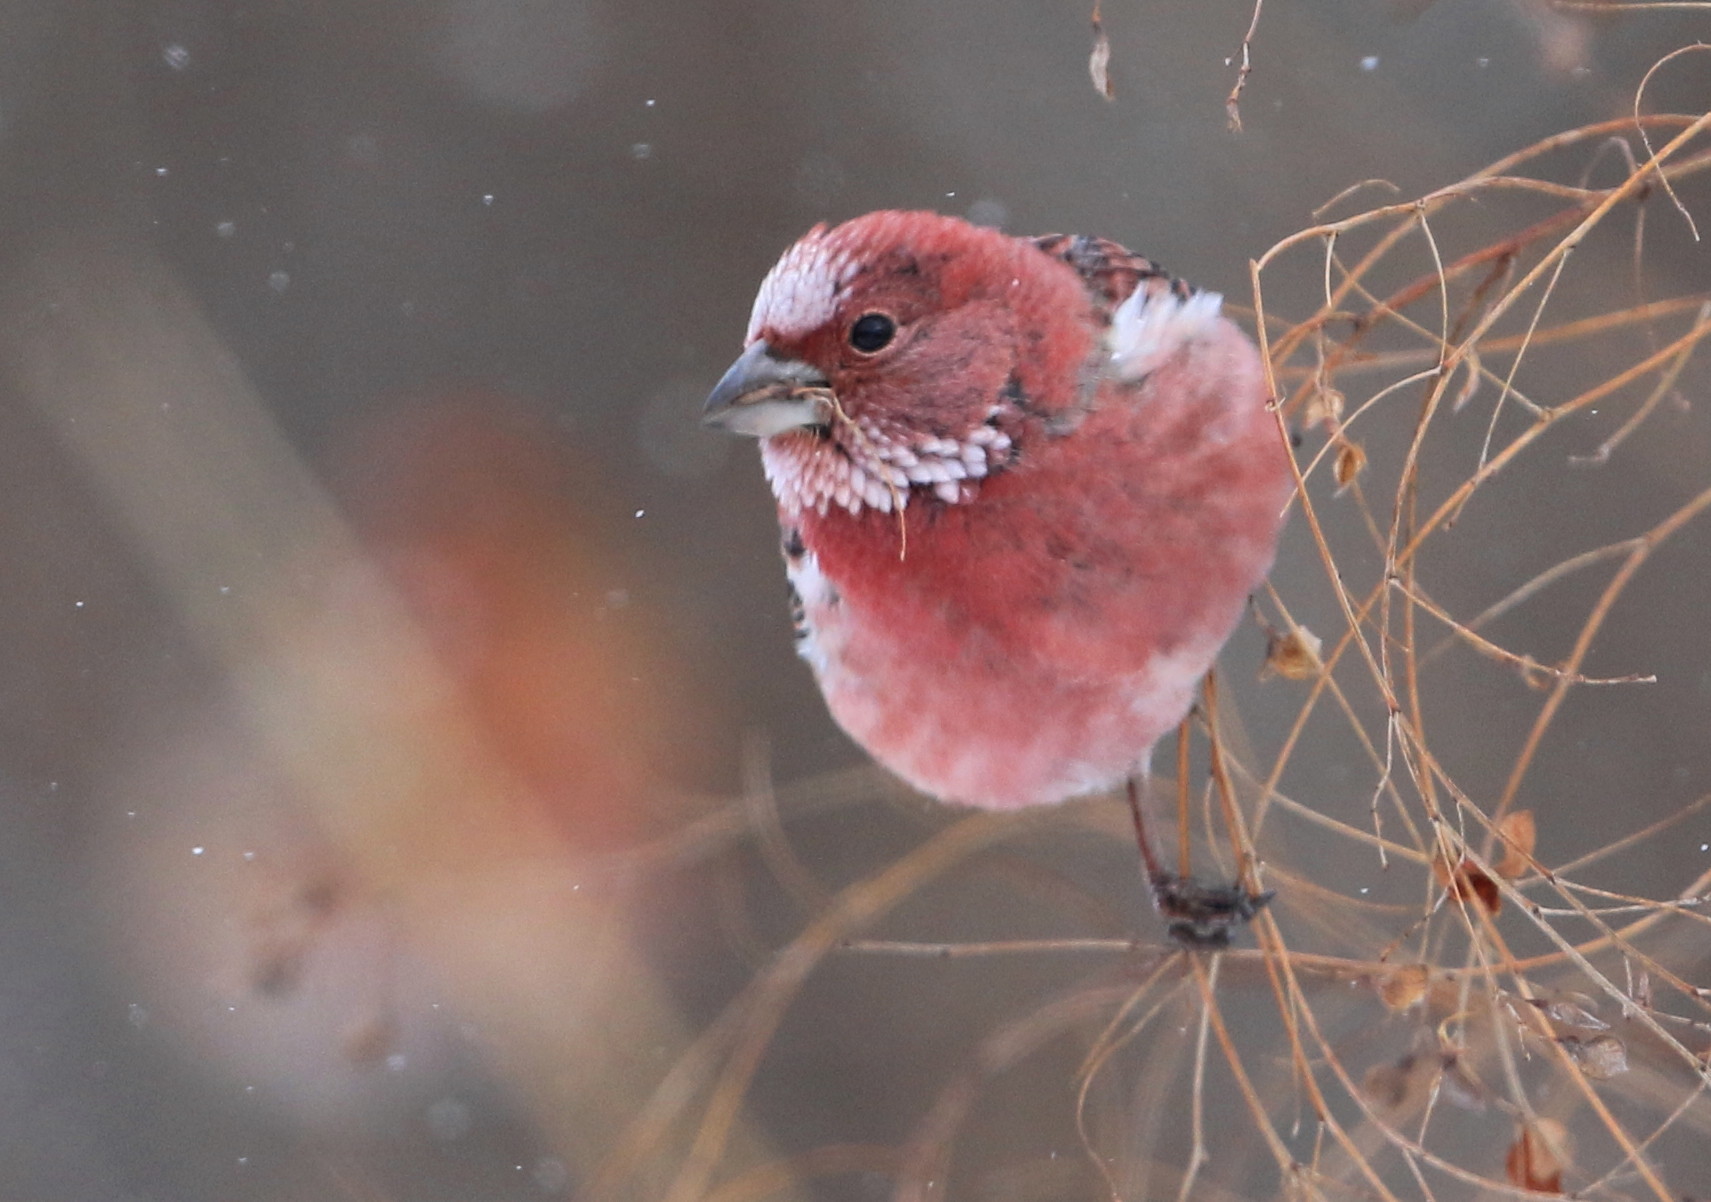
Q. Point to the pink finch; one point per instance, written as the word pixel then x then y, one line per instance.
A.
pixel 1025 485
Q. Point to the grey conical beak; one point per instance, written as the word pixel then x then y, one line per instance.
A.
pixel 762 395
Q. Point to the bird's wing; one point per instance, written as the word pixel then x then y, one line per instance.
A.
pixel 1147 312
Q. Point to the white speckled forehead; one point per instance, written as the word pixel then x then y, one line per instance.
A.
pixel 800 293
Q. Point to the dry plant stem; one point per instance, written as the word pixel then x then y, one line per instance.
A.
pixel 1525 663
pixel 1417 771
pixel 762 804
pixel 1665 384
pixel 1119 1031
pixel 994 947
pixel 831 1160
pixel 1279 1150
pixel 1197 1155
pixel 1500 255
pixel 1566 1063
pixel 1584 133
pixel 1633 837
pixel 1232 102
pixel 1622 941
pixel 1292 1003
pixel 1577 955
pixel 1625 191
pixel 924 1168
pixel 1545 295
pixel 1403 510
pixel 1483 938
pixel 1209 817
pixel 1244 1083
pixel 1410 661
pixel 1340 968
pixel 1582 217
pixel 1385 785
pixel 732 916
pixel 1448 513
pixel 1104 1048
pixel 1670 1120
pixel 1459 496
pixel 1353 623
pixel 1325 681
pixel 1648 543
pixel 1453 502
pixel 1240 843
pixel 1527 436
pixel 715 833
pixel 1354 189
pixel 764 1002
pixel 1543 580
pixel 1269 787
pixel 1639 98
pixel 1332 444
pixel 1614 6
pixel 1689 907
pixel 1501 271
pixel 1472 365
pixel 747 1024
pixel 647 1133
pixel 1496 171
pixel 1569 331
pixel 862 441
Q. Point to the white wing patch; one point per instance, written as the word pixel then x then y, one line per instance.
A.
pixel 814 593
pixel 1151 324
pixel 800 293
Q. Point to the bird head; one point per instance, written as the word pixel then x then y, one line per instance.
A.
pixel 901 354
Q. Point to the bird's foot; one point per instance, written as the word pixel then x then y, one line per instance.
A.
pixel 1201 917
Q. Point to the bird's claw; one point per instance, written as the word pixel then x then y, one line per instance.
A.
pixel 1201 917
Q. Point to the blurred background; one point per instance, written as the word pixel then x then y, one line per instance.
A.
pixel 396 676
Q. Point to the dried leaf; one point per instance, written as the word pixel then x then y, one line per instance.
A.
pixel 1325 405
pixel 1575 1010
pixel 1519 833
pixel 1349 463
pixel 1292 654
pixel 1405 986
pixel 1482 887
pixel 1099 62
pixel 1469 883
pixel 1601 1057
pixel 1537 1157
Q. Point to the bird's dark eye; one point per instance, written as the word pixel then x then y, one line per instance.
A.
pixel 872 332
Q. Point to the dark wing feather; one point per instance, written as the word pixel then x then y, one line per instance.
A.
pixel 1111 271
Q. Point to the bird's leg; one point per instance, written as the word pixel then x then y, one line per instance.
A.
pixel 1196 915
pixel 1149 860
